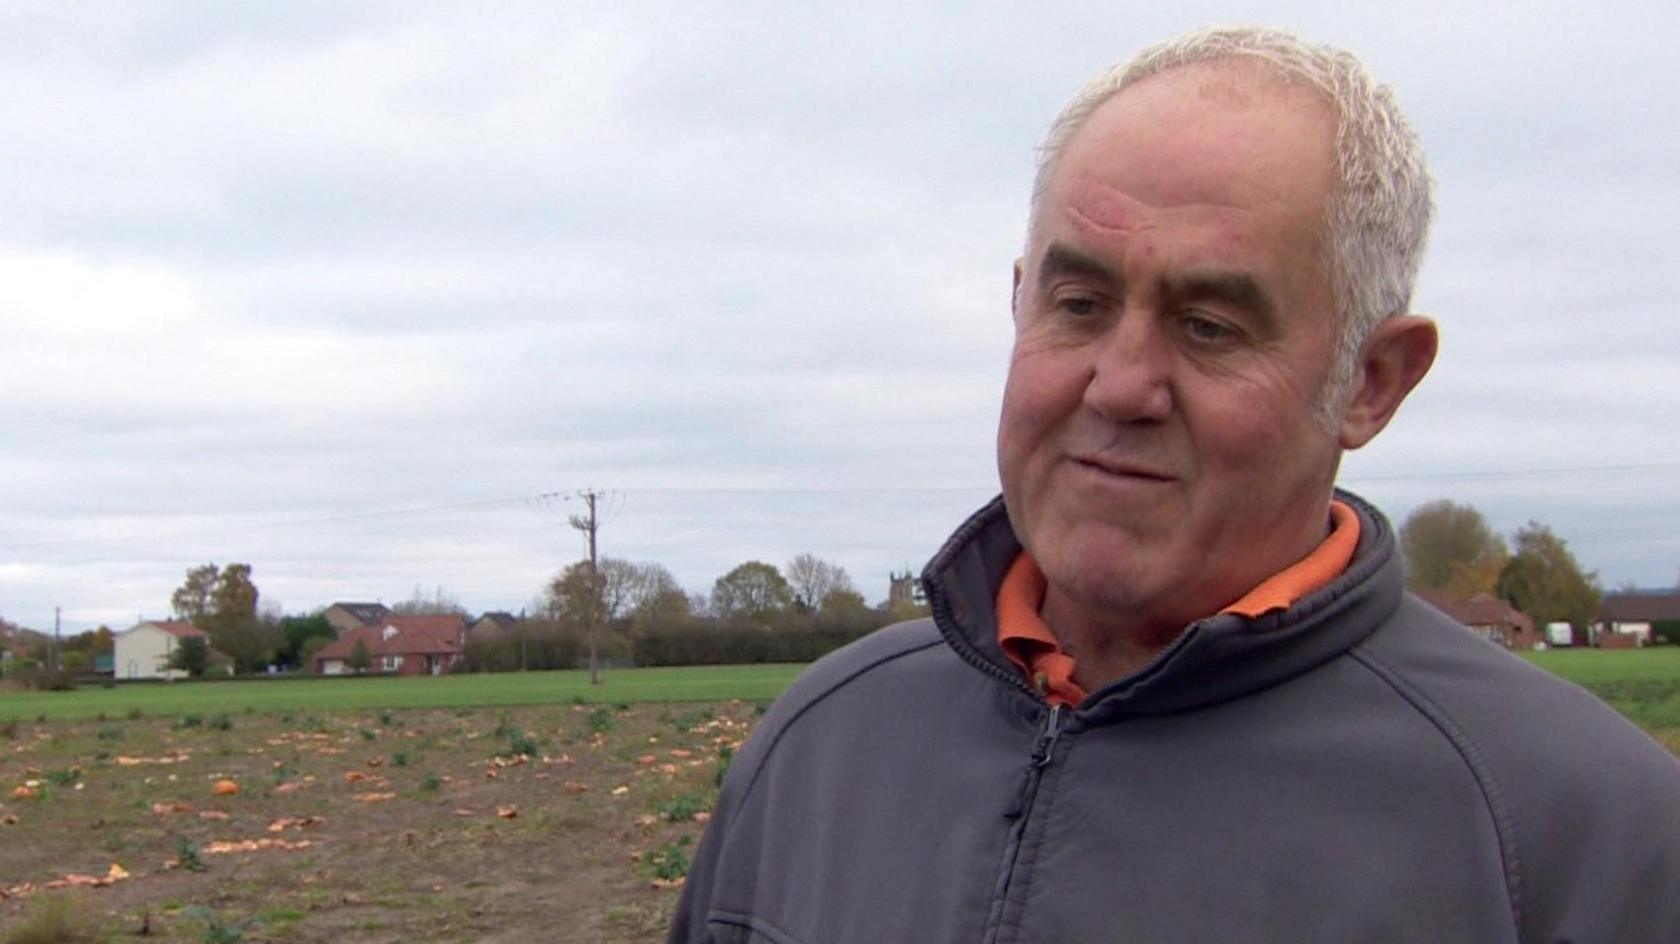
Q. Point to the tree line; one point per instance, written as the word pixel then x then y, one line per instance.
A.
pixel 756 612
pixel 1451 548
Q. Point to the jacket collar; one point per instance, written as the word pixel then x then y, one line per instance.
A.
pixel 1215 659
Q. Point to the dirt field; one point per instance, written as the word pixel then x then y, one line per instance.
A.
pixel 558 823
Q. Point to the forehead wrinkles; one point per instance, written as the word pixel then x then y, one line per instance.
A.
pixel 1098 210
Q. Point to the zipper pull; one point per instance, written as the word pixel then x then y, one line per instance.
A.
pixel 1047 738
pixel 1042 748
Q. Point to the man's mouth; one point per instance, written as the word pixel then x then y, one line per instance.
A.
pixel 1123 468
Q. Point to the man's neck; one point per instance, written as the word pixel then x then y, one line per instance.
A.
pixel 1109 641
pixel 1106 650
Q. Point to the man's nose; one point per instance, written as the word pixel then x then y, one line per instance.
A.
pixel 1131 371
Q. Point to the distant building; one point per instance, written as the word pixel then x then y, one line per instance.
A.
pixel 493 623
pixel 399 645
pixel 144 650
pixel 904 590
pixel 344 617
pixel 1489 617
pixel 1628 619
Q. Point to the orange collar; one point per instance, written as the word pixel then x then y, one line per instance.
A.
pixel 1034 648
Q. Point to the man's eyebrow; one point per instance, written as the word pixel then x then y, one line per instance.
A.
pixel 1059 260
pixel 1238 289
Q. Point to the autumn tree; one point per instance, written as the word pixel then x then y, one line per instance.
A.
pixel 223 603
pixel 573 594
pixel 813 579
pixel 1543 579
pixel 1450 547
pixel 754 592
pixel 234 596
pixel 191 600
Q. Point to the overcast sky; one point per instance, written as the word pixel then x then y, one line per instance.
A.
pixel 338 289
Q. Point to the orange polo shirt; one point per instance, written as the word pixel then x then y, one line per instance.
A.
pixel 1030 644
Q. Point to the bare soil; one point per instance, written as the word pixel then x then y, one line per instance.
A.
pixel 562 823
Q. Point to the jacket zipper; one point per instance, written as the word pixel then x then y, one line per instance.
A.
pixel 1043 752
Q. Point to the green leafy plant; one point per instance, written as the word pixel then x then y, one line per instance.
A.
pixel 217 931
pixel 726 756
pixel 690 720
pixel 520 743
pixel 670 861
pixel 683 808
pixel 221 723
pixel 186 855
pixel 430 783
pixel 189 721
pixel 600 721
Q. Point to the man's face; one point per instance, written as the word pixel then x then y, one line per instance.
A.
pixel 1173 331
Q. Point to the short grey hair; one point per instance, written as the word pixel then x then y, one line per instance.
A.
pixel 1377 218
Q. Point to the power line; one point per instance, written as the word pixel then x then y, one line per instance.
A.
pixel 1535 472
pixel 545 501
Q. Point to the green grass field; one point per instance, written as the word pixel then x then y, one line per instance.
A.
pixel 1593 666
pixel 698 683
pixel 1643 684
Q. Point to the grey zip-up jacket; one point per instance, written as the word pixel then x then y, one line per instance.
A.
pixel 1358 768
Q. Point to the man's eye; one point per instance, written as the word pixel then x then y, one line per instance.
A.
pixel 1077 305
pixel 1206 329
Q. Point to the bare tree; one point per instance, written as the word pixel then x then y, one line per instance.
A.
pixel 439 603
pixel 813 579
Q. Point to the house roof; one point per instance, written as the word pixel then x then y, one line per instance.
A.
pixel 180 629
pixel 500 618
pixel 1481 609
pixel 364 613
pixel 1640 607
pixel 413 635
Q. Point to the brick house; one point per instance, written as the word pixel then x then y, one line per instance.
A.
pixel 1627 619
pixel 1487 616
pixel 399 645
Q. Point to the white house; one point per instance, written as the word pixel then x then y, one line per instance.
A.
pixel 144 650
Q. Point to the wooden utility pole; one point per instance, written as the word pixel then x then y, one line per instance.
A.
pixel 588 525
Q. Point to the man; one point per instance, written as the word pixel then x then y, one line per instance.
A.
pixel 1172 689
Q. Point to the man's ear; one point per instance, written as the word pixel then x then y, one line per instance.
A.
pixel 1395 357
